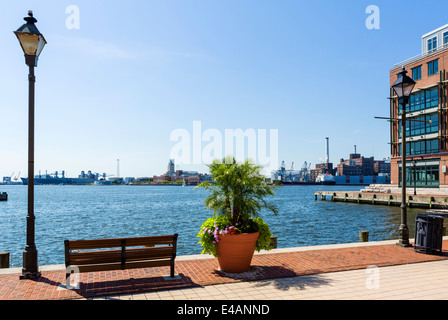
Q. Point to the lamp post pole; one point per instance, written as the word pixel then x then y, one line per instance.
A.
pixel 403 88
pixel 32 43
pixel 415 178
pixel 403 230
pixel 30 265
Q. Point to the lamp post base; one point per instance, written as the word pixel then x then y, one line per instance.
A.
pixel 30 268
pixel 403 241
pixel 30 275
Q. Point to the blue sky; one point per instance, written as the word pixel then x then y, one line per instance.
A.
pixel 134 71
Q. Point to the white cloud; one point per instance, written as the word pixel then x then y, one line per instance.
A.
pixel 95 48
pixel 103 50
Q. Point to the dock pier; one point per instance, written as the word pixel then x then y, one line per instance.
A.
pixel 388 197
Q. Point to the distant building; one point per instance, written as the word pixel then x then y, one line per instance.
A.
pixel 362 170
pixel 356 165
pixel 205 177
pixel 381 167
pixel 143 179
pixel 115 180
pixel 170 169
pixel 89 175
pixel 427 138
pixel 179 176
pixel 162 178
pixel 140 180
pixel 322 169
pixel 129 180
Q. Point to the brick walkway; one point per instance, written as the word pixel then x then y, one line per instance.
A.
pixel 203 272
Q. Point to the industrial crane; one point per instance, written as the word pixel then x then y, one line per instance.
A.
pixel 17 177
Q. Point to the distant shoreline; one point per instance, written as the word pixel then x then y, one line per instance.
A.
pixel 180 185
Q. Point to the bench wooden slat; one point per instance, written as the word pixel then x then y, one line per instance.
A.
pixel 93 261
pixel 94 244
pixel 116 243
pixel 150 241
pixel 117 266
pixel 147 254
pixel 94 254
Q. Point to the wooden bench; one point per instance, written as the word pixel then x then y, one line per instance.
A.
pixel 129 253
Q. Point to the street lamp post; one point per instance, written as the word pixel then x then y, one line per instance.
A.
pixel 403 88
pixel 415 178
pixel 32 43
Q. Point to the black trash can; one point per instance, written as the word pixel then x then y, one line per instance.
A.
pixel 428 233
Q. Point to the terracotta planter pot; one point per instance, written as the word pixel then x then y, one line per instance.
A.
pixel 235 251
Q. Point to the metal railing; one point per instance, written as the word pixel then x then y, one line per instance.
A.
pixel 433 52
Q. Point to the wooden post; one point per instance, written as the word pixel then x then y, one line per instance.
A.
pixel 274 242
pixel 431 199
pixel 4 260
pixel 364 236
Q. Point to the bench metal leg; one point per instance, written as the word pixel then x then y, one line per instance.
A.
pixel 172 276
pixel 172 269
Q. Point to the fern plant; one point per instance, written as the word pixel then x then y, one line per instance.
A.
pixel 237 196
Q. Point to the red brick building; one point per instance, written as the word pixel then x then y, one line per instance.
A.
pixel 356 165
pixel 426 148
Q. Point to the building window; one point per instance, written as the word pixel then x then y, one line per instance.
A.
pixel 432 146
pixel 420 147
pixel 417 73
pixel 422 125
pixel 432 127
pixel 432 98
pixel 432 44
pixel 432 176
pixel 417 102
pixel 445 38
pixel 422 100
pixel 433 67
pixel 421 175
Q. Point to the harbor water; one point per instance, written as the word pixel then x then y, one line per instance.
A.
pixel 94 212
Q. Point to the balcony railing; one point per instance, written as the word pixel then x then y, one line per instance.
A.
pixel 433 52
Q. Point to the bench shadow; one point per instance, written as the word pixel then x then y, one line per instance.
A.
pixel 87 289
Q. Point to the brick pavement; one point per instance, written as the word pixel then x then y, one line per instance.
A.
pixel 203 272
